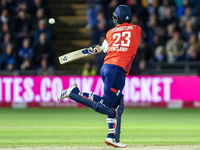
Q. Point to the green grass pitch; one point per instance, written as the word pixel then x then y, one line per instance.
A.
pixel 75 127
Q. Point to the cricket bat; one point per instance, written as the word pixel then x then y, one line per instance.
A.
pixel 78 54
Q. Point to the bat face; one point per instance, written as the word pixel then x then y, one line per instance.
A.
pixel 78 54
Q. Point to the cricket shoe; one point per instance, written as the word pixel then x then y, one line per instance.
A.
pixel 65 93
pixel 111 142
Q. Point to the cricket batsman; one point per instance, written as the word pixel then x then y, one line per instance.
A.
pixel 121 45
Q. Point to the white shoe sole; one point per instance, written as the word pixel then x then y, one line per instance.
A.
pixel 110 142
pixel 65 93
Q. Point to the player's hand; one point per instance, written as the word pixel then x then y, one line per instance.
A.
pixel 104 46
pixel 93 49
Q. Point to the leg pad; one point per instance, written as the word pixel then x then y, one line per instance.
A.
pixel 98 107
pixel 119 110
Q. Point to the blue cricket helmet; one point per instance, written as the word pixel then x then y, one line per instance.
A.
pixel 122 14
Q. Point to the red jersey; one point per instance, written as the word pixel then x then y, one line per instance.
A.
pixel 123 41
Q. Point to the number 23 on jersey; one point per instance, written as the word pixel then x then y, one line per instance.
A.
pixel 122 39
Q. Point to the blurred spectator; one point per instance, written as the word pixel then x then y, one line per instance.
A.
pixel 138 10
pixel 36 5
pixel 45 68
pixel 159 55
pixel 193 54
pixel 162 10
pixel 40 14
pixel 89 69
pixel 26 64
pixel 22 26
pixel 7 41
pixel 25 55
pixel 25 51
pixel 192 40
pixel 169 32
pixel 99 29
pixel 155 44
pixel 188 31
pixel 42 28
pixel 151 26
pixel 168 19
pixel 181 9
pixel 174 48
pixel 8 59
pixel 4 30
pixel 187 17
pixel 43 50
pixel 94 7
pixel 5 17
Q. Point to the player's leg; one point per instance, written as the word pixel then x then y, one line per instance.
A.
pixel 113 138
pixel 114 81
pixel 117 125
pixel 74 93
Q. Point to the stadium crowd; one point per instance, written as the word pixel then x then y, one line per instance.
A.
pixel 25 35
pixel 170 32
pixel 170 29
